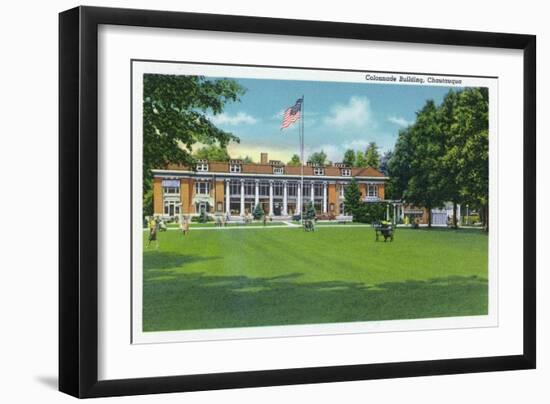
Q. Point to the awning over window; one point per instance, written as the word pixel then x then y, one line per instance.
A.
pixel 170 183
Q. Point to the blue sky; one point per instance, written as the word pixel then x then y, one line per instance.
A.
pixel 337 116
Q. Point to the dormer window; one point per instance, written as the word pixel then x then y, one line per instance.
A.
pixel 202 166
pixel 278 170
pixel 346 172
pixel 234 168
pixel 319 171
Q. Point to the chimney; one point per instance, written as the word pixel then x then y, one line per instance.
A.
pixel 263 158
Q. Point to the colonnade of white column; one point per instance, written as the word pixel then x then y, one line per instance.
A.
pixel 284 210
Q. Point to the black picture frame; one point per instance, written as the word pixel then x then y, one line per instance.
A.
pixel 78 200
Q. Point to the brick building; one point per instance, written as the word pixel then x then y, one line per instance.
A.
pixel 236 187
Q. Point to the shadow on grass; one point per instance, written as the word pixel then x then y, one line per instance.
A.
pixel 436 229
pixel 165 260
pixel 176 300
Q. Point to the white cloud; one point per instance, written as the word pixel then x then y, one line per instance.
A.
pixel 241 118
pixel 358 144
pixel 356 113
pixel 334 152
pixel 399 121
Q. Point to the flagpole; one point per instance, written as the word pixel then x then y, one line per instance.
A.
pixel 302 163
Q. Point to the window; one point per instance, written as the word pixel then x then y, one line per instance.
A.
pixel 171 190
pixel 278 189
pixel 346 172
pixel 201 207
pixel 342 209
pixel 319 171
pixel 249 188
pixel 171 208
pixel 318 190
pixel 202 188
pixel 292 189
pixel 372 191
pixel 278 170
pixel 235 187
pixel 342 190
pixel 202 167
pixel 264 189
pixel 235 168
pixel 307 190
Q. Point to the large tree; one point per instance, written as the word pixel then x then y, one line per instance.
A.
pixel 294 160
pixel 213 153
pixel 426 184
pixel 468 149
pixel 444 155
pixel 360 160
pixel 372 156
pixel 318 158
pixel 176 112
pixel 349 158
pixel 385 160
pixel 246 159
pixel 451 184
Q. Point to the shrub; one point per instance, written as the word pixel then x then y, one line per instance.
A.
pixel 471 219
pixel 370 212
pixel 310 211
pixel 202 218
pixel 258 212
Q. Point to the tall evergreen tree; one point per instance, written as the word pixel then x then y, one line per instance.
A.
pixel 372 156
pixel 352 198
pixel 258 212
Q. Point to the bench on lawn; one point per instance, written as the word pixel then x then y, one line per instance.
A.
pixel 309 225
pixel 237 220
pixel 384 229
pixel 344 219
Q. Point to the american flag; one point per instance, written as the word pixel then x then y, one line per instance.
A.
pixel 292 114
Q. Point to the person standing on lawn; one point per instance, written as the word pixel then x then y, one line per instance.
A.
pixel 153 228
pixel 184 226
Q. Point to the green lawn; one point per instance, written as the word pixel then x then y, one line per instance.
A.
pixel 278 276
pixel 230 224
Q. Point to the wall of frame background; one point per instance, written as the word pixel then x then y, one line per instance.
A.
pixel 30 361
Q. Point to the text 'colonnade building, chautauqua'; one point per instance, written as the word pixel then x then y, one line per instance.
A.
pixel 235 187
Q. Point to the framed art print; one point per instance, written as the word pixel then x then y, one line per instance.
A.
pixel 250 201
